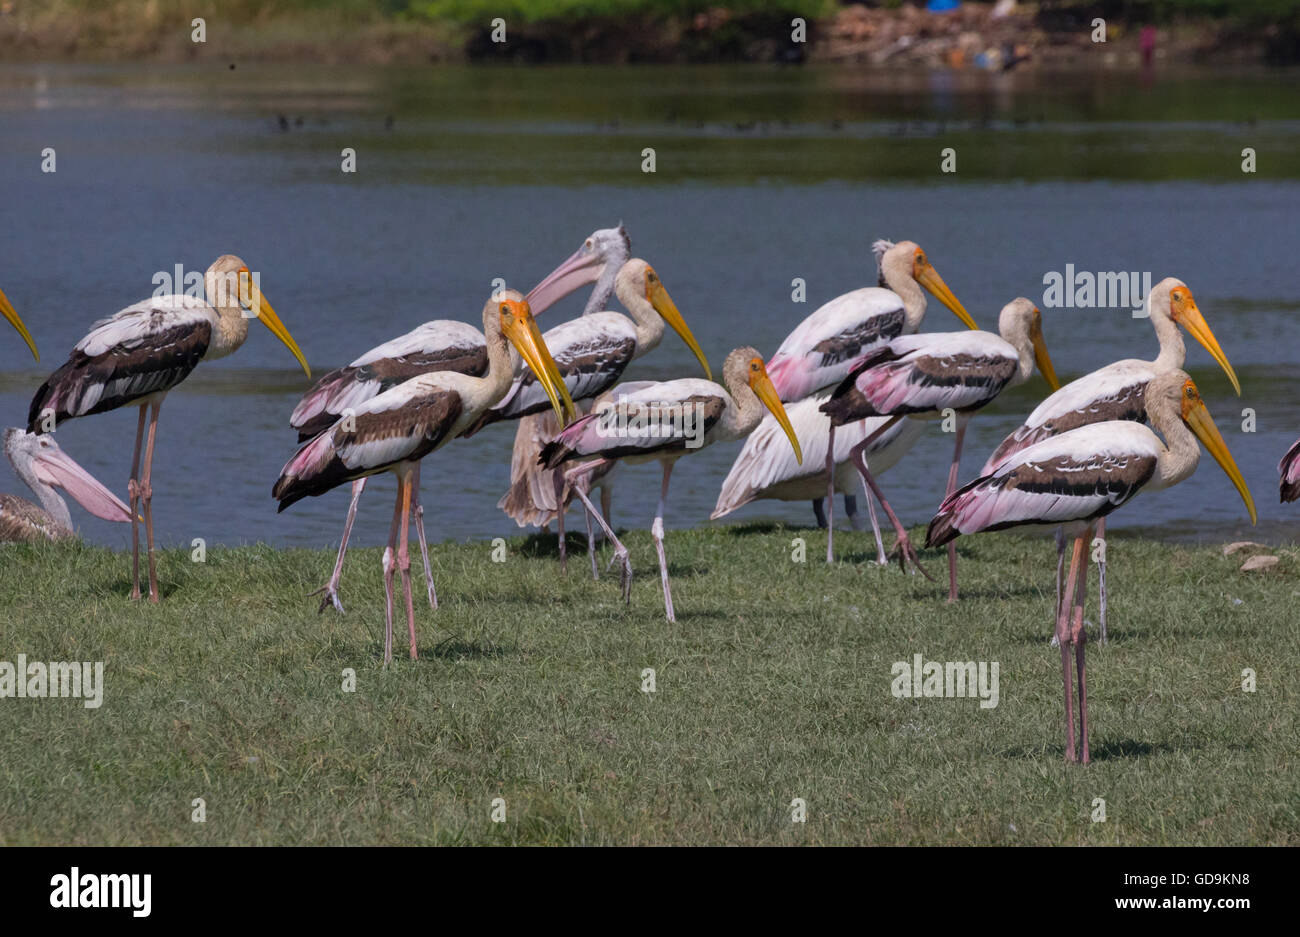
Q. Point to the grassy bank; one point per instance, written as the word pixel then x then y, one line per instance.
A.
pixel 774 684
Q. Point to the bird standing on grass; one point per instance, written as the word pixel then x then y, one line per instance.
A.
pixel 136 356
pixel 393 431
pixel 661 421
pixel 1080 476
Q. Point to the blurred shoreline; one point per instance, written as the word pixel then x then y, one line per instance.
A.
pixel 972 36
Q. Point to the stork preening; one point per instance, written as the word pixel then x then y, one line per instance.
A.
pixel 661 421
pixel 137 355
pixel 44 467
pixel 394 430
pixel 11 316
pixel 922 376
pixel 1080 476
pixel 1116 392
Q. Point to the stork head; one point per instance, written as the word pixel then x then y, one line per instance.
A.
pixel 744 367
pixel 606 249
pixel 1021 324
pixel 906 260
pixel 507 314
pixel 39 459
pixel 1171 299
pixel 232 288
pixel 638 279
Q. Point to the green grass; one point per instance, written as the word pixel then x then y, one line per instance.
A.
pixel 773 684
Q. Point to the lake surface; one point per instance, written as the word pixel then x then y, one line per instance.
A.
pixel 763 174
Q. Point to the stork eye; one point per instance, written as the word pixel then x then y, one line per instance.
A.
pixel 505 310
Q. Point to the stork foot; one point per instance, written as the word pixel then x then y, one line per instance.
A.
pixel 330 597
pixel 622 557
pixel 907 555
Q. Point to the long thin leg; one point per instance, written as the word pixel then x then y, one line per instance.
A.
pixel 331 588
pixel 952 486
pixel 559 519
pixel 418 510
pixel 146 486
pixel 819 512
pixel 1060 571
pixel 851 511
pixel 657 532
pixel 591 546
pixel 1063 634
pixel 830 495
pixel 133 487
pixel 404 556
pixel 620 551
pixel 881 558
pixel 1079 635
pixel 1101 582
pixel 906 552
pixel 607 502
pixel 390 566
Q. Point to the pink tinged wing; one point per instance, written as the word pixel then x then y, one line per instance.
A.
pixel 55 467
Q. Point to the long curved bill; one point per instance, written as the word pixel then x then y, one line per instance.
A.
pixel 664 305
pixel 1198 419
pixel 930 279
pixel 1192 320
pixel 8 311
pixel 765 390
pixel 1042 359
pixel 522 331
pixel 261 309
pixel 581 269
pixel 55 467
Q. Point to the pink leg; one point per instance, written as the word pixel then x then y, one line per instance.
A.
pixel 418 510
pixel 559 520
pixel 830 495
pixel 591 546
pixel 906 552
pixel 881 558
pixel 952 486
pixel 657 532
pixel 331 588
pixel 133 487
pixel 404 557
pixel 1101 580
pixel 146 492
pixel 1079 635
pixel 390 567
pixel 1063 634
pixel 620 551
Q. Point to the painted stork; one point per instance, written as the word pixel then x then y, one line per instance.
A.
pixel 438 345
pixel 826 346
pixel 593 351
pixel 43 467
pixel 922 376
pixel 661 421
pixel 766 467
pixel 1079 477
pixel 394 430
pixel 7 310
pixel 137 355
pixel 1289 469
pixel 1116 392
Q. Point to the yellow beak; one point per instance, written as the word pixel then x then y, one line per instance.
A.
pixel 930 279
pixel 11 314
pixel 1192 320
pixel 521 329
pixel 765 390
pixel 1043 359
pixel 1198 419
pixel 666 308
pixel 262 311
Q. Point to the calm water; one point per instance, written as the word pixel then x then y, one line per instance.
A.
pixel 763 175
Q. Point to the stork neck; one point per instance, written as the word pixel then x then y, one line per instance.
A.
pixel 501 370
pixel 604 288
pixel 229 331
pixel 1172 350
pixel 910 292
pixel 54 505
pixel 649 324
pixel 1182 451
pixel 742 419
